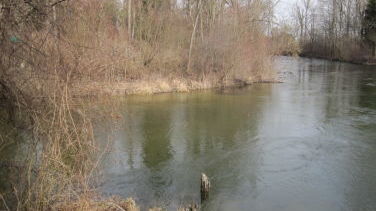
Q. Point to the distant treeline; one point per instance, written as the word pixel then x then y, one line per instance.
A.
pixel 335 29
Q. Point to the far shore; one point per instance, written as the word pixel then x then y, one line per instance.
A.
pixel 158 86
pixel 368 62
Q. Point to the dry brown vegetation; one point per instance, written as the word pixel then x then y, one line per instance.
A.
pixel 200 41
pixel 96 204
pixel 52 51
pixel 332 29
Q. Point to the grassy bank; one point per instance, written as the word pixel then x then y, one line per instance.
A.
pixel 157 86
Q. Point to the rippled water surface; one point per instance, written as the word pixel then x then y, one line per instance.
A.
pixel 306 144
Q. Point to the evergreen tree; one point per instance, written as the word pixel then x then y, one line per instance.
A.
pixel 369 25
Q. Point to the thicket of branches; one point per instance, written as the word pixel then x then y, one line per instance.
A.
pixel 332 29
pixel 190 39
pixel 56 158
pixel 50 46
pixel 369 25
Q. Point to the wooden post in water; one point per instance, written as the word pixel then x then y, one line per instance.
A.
pixel 205 187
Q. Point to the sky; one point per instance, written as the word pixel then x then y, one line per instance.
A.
pixel 284 9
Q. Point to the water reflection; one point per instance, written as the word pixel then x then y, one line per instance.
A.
pixel 12 155
pixel 156 131
pixel 307 144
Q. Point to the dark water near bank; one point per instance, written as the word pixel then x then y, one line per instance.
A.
pixel 306 144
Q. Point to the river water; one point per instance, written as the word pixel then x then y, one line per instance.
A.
pixel 306 144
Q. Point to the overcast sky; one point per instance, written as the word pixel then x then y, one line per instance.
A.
pixel 284 9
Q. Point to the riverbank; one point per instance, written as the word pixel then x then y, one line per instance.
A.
pixel 111 204
pixel 100 205
pixel 364 61
pixel 158 86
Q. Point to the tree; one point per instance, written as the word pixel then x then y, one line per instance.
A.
pixel 369 25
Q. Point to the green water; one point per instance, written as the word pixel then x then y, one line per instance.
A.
pixel 306 144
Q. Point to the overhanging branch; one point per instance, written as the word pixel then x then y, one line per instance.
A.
pixel 58 2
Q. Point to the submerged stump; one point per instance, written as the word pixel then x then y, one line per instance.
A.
pixel 205 187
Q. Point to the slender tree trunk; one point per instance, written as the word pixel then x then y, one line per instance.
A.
pixel 202 28
pixel 130 18
pixel 133 28
pixel 56 33
pixel 333 29
pixel 193 37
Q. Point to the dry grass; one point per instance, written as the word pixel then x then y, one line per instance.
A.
pixel 88 204
pixel 158 85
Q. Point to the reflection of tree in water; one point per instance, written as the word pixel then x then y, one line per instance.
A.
pixel 155 127
pixel 216 119
pixel 7 153
pixel 156 148
pixel 360 191
pixel 11 171
pixel 218 127
pixel 361 184
pixel 132 135
pixel 367 96
pixel 337 82
pixel 348 106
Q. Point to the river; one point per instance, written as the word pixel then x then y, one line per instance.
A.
pixel 306 144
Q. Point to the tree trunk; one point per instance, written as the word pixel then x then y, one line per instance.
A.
pixel 130 18
pixel 193 37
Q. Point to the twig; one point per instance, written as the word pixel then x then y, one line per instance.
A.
pixel 117 206
pixel 56 3
pixel 5 203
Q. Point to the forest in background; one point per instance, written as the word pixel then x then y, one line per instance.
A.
pixel 335 29
pixel 50 48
